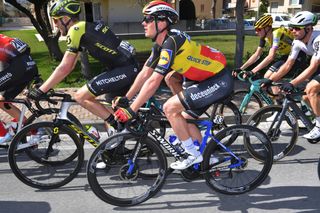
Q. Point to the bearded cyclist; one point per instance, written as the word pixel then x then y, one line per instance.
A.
pixel 202 67
pixel 102 44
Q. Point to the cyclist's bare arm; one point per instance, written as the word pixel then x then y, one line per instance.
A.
pixel 142 77
pixel 266 61
pixel 307 73
pixel 147 90
pixel 283 70
pixel 62 70
pixel 253 58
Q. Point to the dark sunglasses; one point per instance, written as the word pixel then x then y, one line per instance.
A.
pixel 296 28
pixel 258 29
pixel 148 19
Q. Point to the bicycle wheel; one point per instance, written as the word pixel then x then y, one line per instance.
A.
pixel 121 182
pixel 46 161
pixel 282 133
pixel 254 103
pixel 224 115
pixel 237 172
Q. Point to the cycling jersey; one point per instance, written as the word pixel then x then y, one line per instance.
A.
pixel 11 47
pixel 101 43
pixel 192 60
pixel 312 48
pixel 282 39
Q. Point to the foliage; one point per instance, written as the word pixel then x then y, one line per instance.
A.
pixel 264 4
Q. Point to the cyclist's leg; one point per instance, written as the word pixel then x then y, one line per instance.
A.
pixel 174 82
pixel 107 82
pixel 312 97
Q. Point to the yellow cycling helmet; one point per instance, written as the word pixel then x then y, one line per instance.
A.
pixel 263 22
pixel 70 8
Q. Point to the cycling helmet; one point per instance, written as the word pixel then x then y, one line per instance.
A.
pixel 161 10
pixel 264 21
pixel 302 19
pixel 70 8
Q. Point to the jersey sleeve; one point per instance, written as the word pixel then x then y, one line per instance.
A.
pixel 167 56
pixel 74 36
pixel 295 49
pixel 154 57
pixel 262 43
pixel 276 38
pixel 316 47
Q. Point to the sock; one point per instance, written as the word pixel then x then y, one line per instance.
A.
pixel 189 147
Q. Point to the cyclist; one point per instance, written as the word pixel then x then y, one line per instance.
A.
pixel 202 67
pixel 306 40
pixel 17 69
pixel 102 44
pixel 279 40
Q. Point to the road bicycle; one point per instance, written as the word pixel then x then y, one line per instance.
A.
pixel 140 171
pixel 284 129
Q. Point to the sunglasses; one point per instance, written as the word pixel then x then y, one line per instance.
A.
pixel 258 29
pixel 148 19
pixel 55 20
pixel 296 28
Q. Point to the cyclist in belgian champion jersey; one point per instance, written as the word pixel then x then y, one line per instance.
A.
pixel 203 68
pixel 306 40
pixel 102 44
pixel 17 70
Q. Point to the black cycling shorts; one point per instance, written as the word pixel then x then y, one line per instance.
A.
pixel 113 82
pixel 17 76
pixel 198 97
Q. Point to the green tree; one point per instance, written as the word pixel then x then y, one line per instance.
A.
pixel 40 21
pixel 264 4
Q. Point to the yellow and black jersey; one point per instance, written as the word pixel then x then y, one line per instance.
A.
pixel 101 43
pixel 282 39
pixel 194 61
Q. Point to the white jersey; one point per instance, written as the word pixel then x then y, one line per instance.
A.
pixel 312 48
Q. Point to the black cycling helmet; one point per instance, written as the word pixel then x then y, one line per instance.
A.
pixel 70 8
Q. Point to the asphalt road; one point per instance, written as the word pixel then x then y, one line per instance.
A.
pixel 292 186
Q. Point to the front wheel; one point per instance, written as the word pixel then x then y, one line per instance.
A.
pixel 230 168
pixel 129 175
pixel 283 133
pixel 45 156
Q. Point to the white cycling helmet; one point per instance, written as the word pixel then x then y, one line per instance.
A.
pixel 302 19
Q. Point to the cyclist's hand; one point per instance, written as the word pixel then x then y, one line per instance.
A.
pixel 248 74
pixel 266 82
pixel 35 93
pixel 287 87
pixel 124 114
pixel 120 102
pixel 236 71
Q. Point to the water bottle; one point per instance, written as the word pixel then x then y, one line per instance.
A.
pixel 196 144
pixel 176 143
pixel 93 131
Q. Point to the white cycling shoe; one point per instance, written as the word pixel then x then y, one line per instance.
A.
pixel 181 165
pixel 313 134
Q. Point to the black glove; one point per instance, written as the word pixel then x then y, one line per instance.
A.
pixel 287 87
pixel 236 71
pixel 35 93
pixel 266 82
pixel 120 102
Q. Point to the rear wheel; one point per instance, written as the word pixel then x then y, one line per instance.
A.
pixel 236 171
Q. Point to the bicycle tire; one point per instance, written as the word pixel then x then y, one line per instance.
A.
pixel 254 103
pixel 228 111
pixel 284 139
pixel 37 166
pixel 114 185
pixel 226 175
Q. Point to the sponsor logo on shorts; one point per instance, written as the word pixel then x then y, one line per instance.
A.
pixel 5 78
pixel 204 93
pixel 111 80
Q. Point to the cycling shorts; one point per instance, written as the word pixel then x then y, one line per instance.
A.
pixel 199 96
pixel 113 81
pixel 17 76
